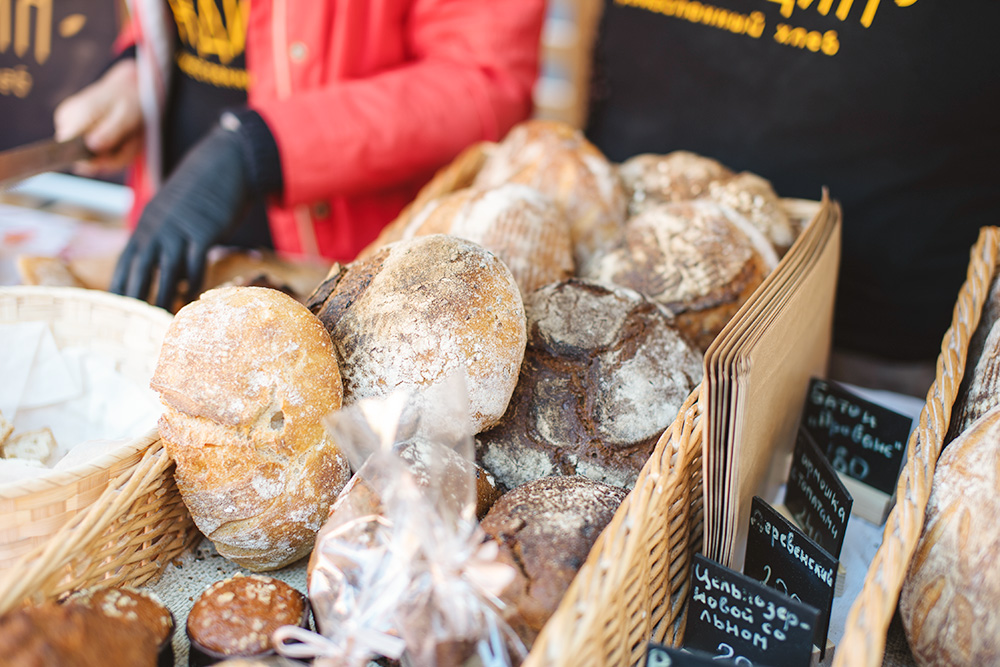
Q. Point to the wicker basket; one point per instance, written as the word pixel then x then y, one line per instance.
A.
pixel 864 638
pixel 118 519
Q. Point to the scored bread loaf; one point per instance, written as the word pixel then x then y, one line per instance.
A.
pixel 694 257
pixel 650 178
pixel 245 375
pixel 951 594
pixel 418 310
pixel 592 399
pixel 526 229
pixel 546 529
pixel 557 159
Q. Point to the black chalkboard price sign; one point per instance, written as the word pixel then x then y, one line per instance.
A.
pixel 736 618
pixel 658 655
pixel 780 555
pixel 818 500
pixel 861 439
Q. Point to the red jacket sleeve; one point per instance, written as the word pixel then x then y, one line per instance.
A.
pixel 469 77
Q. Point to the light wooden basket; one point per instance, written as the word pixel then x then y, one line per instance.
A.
pixel 118 519
pixel 864 640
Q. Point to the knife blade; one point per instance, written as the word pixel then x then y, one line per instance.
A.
pixel 17 164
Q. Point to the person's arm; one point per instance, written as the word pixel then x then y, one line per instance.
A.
pixel 474 68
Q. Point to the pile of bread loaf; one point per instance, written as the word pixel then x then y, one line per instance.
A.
pixel 577 297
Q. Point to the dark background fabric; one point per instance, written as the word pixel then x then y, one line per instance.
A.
pixel 900 123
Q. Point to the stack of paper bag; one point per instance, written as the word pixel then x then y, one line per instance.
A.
pixel 756 375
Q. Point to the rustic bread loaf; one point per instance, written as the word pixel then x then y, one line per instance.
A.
pixel 558 160
pixel 754 198
pixel 520 225
pixel 696 258
pixel 140 610
pixel 979 391
pixel 420 309
pixel 245 374
pixel 951 594
pixel 592 400
pixel 546 529
pixel 652 178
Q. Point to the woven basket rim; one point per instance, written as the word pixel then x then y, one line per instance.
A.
pixel 63 478
pixel 135 445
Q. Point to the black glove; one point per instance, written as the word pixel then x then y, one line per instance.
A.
pixel 203 200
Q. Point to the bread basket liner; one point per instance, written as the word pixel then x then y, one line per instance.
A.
pixel 118 519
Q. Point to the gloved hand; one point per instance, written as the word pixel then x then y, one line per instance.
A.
pixel 203 200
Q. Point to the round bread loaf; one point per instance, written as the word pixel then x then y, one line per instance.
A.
pixel 696 258
pixel 546 529
pixel 592 400
pixel 753 197
pixel 420 309
pixel 558 160
pixel 520 225
pixel 951 594
pixel 245 374
pixel 677 176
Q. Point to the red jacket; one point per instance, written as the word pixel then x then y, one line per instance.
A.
pixel 365 99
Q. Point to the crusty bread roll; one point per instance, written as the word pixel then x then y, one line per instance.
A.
pixel 652 178
pixel 592 399
pixel 418 310
pixel 520 225
pixel 698 259
pixel 951 594
pixel 558 160
pixel 245 374
pixel 546 529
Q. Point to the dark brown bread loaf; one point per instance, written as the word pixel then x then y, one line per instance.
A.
pixel 951 595
pixel 245 374
pixel 546 529
pixel 695 258
pixel 417 311
pixel 604 374
pixel 140 609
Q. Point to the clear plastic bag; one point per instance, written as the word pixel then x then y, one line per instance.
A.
pixel 402 569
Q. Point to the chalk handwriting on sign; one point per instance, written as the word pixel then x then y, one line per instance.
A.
pixel 861 439
pixel 817 499
pixel 780 555
pixel 761 625
pixel 666 656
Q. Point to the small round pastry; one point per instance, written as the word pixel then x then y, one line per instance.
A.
pixel 557 159
pixel 696 258
pixel 139 608
pixel 235 617
pixel 591 400
pixel 245 374
pixel 68 634
pixel 949 600
pixel 520 225
pixel 546 529
pixel 417 311
pixel 677 176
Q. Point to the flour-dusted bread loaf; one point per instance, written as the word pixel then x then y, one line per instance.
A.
pixel 520 225
pixel 652 178
pixel 604 373
pixel 420 309
pixel 696 258
pixel 546 529
pixel 245 375
pixel 754 198
pixel 558 160
pixel 951 596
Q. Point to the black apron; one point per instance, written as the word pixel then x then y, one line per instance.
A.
pixel 892 105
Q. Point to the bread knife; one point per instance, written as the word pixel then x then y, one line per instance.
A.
pixel 17 164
